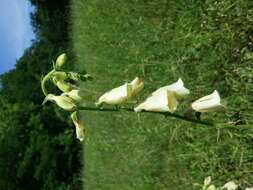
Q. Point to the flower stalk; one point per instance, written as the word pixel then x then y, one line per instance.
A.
pixel 166 114
pixel 44 80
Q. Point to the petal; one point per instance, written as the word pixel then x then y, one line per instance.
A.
pixel 172 101
pixel 137 85
pixel 230 186
pixel 207 181
pixel 177 87
pixel 117 95
pixel 79 126
pixel 211 187
pixel 74 94
pixel 162 102
pixel 64 102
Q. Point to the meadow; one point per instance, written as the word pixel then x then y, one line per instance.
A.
pixel 206 43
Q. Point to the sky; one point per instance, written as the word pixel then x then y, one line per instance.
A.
pixel 16 32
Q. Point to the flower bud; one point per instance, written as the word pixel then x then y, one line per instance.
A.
pixel 59 78
pixel 61 60
pixel 64 86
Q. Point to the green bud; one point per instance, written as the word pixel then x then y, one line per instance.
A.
pixel 60 75
pixel 63 86
pixel 59 78
pixel 61 60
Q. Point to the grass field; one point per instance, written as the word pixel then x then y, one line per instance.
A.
pixel 206 43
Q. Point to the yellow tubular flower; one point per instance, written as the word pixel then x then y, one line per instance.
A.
pixel 62 101
pixel 208 103
pixel 177 87
pixel 79 125
pixel 164 101
pixel 122 94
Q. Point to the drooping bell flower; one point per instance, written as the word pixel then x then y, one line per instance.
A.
pixel 207 181
pixel 62 101
pixel 230 186
pixel 116 96
pixel 75 95
pixel 79 126
pixel 177 87
pixel 122 94
pixel 164 101
pixel 165 98
pixel 208 103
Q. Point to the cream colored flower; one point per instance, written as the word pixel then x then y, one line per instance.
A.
pixel 249 188
pixel 208 103
pixel 230 186
pixel 74 94
pixel 62 101
pixel 207 181
pixel 122 93
pixel 177 87
pixel 164 101
pixel 79 125
pixel 116 96
pixel 211 187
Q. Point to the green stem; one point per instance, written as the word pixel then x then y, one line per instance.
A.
pixel 44 80
pixel 166 114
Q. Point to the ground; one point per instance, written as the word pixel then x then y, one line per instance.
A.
pixel 206 43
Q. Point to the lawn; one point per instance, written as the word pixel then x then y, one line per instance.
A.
pixel 206 43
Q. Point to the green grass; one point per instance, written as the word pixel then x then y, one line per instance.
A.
pixel 208 45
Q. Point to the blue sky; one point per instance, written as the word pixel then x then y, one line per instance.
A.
pixel 15 31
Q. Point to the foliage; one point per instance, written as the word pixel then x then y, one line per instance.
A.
pixel 206 43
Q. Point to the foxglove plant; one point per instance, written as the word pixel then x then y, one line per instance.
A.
pixel 165 99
